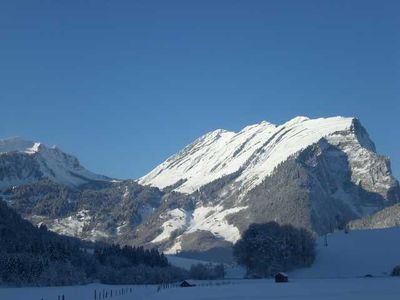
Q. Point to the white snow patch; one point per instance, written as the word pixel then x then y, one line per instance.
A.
pixel 213 219
pixel 177 219
pixel 207 218
pixel 72 225
pixel 96 235
pixel 126 193
pixel 176 248
pixel 121 227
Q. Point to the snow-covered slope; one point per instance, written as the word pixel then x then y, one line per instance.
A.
pixel 341 255
pixel 23 162
pixel 256 289
pixel 385 218
pixel 356 254
pixel 256 150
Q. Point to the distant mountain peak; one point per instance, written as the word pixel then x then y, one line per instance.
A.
pixel 17 144
pixel 23 161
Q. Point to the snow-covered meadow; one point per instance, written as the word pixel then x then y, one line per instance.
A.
pixel 83 292
pixel 338 273
pixel 355 254
pixel 298 289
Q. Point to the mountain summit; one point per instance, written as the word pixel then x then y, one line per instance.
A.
pixel 256 151
pixel 24 162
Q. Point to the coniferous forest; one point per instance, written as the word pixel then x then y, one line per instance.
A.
pixel 36 256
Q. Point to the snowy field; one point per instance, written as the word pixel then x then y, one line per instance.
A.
pixel 336 274
pixel 84 292
pixel 352 255
pixel 308 289
pixel 358 253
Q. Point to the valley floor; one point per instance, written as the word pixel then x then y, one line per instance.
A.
pixel 337 273
pixel 298 289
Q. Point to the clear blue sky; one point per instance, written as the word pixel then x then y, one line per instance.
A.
pixel 124 84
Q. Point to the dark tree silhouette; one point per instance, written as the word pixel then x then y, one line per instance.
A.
pixel 266 249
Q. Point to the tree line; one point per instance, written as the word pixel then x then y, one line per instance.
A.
pixel 36 256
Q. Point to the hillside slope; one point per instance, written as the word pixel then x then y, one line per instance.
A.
pixel 358 253
pixel 385 218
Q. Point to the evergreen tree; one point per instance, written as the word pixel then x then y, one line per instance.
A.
pixel 266 249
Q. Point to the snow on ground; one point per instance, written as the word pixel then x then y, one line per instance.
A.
pixel 355 254
pixel 176 219
pixel 358 253
pixel 207 218
pixel 307 289
pixel 212 219
pixel 72 225
pixel 82 292
pixel 336 274
pixel 297 289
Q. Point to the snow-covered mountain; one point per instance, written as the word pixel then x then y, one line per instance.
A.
pixel 257 150
pixel 317 174
pixel 23 162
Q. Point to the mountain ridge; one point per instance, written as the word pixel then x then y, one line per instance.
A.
pixel 318 174
pixel 245 146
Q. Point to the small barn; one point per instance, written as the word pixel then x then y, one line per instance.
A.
pixel 187 283
pixel 281 277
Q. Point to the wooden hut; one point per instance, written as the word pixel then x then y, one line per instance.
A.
pixel 281 277
pixel 187 283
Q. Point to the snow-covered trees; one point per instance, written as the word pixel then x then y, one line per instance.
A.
pixel 396 271
pixel 207 271
pixel 265 249
pixel 35 256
